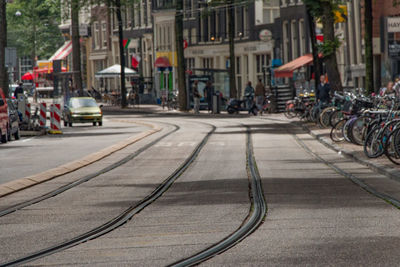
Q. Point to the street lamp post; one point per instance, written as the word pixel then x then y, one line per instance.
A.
pixel 3 45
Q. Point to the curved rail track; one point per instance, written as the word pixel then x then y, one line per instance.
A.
pixel 257 214
pixel 86 178
pixel 389 199
pixel 121 218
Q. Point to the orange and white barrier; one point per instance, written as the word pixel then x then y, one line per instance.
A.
pixel 42 114
pixel 55 119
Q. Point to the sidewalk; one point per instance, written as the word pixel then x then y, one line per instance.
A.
pixel 381 165
pixel 157 109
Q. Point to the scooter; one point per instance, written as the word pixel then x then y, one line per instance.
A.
pixel 236 105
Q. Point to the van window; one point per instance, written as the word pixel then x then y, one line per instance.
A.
pixel 1 102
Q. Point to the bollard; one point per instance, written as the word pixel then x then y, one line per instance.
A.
pixel 43 110
pixel 216 103
pixel 55 119
pixel 27 115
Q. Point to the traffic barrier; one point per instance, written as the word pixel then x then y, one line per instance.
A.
pixel 28 112
pixel 55 119
pixel 42 116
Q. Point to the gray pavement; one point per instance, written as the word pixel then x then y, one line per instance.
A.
pixel 316 216
pixel 94 202
pixel 207 203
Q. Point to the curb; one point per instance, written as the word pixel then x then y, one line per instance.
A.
pixel 23 183
pixel 392 173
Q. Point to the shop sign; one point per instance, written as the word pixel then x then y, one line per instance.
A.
pixel 265 35
pixel 393 24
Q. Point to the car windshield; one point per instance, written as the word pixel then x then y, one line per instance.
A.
pixel 82 102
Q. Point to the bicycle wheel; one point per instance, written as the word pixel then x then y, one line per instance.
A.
pixel 346 132
pixel 373 146
pixel 359 129
pixel 392 146
pixel 337 131
pixel 290 110
pixel 335 117
pixel 324 116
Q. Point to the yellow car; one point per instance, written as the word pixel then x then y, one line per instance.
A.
pixel 82 110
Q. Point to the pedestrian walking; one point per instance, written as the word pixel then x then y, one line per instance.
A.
pixel 249 96
pixel 18 90
pixel 260 95
pixel 196 97
pixel 208 94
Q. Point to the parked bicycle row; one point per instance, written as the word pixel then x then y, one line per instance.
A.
pixel 372 122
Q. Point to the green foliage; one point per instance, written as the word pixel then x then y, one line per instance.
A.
pixel 37 23
pixel 329 47
pixel 316 9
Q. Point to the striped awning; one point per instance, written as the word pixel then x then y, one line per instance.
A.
pixel 62 52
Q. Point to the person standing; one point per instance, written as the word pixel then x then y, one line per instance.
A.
pixel 323 90
pixel 196 97
pixel 260 95
pixel 208 93
pixel 322 94
pixel 249 95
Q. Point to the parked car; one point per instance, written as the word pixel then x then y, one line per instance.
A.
pixel 13 121
pixel 82 110
pixel 3 118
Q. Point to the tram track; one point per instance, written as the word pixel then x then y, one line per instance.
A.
pixel 86 178
pixel 255 218
pixel 123 217
pixel 389 199
pixel 357 181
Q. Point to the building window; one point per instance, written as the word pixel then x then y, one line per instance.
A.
pixel 238 74
pixel 285 41
pixel 136 15
pixel 187 6
pixel 208 63
pixel 271 10
pixel 295 39
pixel 104 33
pixel 96 35
pixel 193 36
pixel 262 61
pixel 302 38
pixel 190 63
pixel 246 31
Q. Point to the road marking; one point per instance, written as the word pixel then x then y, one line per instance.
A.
pixel 27 140
pixel 186 144
pixel 217 143
pixel 164 144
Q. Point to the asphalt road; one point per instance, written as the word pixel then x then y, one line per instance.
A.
pixel 316 216
pixel 31 155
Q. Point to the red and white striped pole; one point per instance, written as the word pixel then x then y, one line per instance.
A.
pixel 43 110
pixel 55 119
pixel 28 112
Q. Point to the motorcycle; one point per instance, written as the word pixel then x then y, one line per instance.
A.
pixel 236 105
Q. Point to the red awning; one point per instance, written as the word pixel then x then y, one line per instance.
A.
pixel 46 70
pixel 286 70
pixel 162 62
pixel 27 76
pixel 62 52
